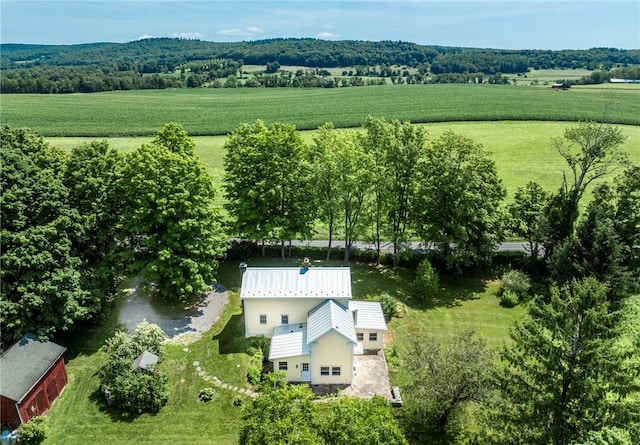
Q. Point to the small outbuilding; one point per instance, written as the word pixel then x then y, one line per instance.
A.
pixel 146 361
pixel 32 376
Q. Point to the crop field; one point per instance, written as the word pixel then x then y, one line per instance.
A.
pixel 219 111
pixel 522 150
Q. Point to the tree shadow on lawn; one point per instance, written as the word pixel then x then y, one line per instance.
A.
pixel 231 339
pixel 454 290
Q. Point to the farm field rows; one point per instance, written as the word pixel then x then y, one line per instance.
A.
pixel 522 150
pixel 219 111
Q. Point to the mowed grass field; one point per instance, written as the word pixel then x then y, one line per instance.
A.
pixel 522 150
pixel 219 111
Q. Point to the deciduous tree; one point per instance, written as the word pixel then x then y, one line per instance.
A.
pixel 268 183
pixel 527 215
pixel 170 227
pixel 458 204
pixel 40 286
pixel 446 380
pixel 592 151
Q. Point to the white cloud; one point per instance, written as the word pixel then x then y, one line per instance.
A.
pixel 327 35
pixel 145 36
pixel 188 35
pixel 248 32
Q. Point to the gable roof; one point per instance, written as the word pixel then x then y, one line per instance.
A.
pixel 25 363
pixel 369 315
pixel 330 316
pixel 146 360
pixel 289 340
pixel 296 282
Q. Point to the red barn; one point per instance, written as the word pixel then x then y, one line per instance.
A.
pixel 32 375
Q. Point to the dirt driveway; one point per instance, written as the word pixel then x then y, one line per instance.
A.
pixel 180 325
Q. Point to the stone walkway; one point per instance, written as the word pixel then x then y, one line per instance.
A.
pixel 217 382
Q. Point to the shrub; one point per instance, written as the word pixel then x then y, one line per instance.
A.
pixel 237 401
pixel 132 390
pixel 206 394
pixel 426 284
pixel 260 342
pixel 254 373
pixel 515 281
pixel 33 432
pixel 509 299
pixel 389 306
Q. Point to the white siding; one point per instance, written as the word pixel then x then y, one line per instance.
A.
pixel 332 350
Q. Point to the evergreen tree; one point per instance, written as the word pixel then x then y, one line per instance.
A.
pixel 567 372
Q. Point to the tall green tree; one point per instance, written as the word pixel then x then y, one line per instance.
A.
pixel 567 372
pixel 345 174
pixel 527 215
pixel 285 415
pixel 446 381
pixel 170 228
pixel 90 176
pixel 268 183
pixel 353 420
pixel 596 250
pixel 591 151
pixel 40 285
pixel 397 148
pixel 457 208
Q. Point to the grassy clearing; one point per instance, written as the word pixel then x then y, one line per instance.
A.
pixel 79 417
pixel 521 149
pixel 219 111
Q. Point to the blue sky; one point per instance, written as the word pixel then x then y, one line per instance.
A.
pixel 514 24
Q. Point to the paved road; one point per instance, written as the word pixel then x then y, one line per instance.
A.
pixel 515 246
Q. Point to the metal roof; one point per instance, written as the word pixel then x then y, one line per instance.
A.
pixel 289 340
pixel 146 360
pixel 296 282
pixel 330 316
pixel 369 315
pixel 25 363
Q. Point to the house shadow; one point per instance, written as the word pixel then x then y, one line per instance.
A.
pixel 231 338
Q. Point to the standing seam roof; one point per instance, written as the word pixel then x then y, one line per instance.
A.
pixel 295 282
pixel 330 316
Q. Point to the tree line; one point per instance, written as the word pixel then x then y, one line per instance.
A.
pixel 154 63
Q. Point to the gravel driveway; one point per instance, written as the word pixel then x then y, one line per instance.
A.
pixel 180 326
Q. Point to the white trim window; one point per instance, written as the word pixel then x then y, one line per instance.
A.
pixel 336 371
pixel 325 371
pixel 330 371
pixel 284 318
pixel 263 319
pixel 283 366
pixel 373 336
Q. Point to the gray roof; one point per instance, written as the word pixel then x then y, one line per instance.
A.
pixel 369 315
pixel 330 316
pixel 289 340
pixel 146 360
pixel 25 363
pixel 296 282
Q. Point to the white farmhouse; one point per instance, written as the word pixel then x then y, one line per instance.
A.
pixel 314 326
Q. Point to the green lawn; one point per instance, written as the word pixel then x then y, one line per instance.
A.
pixel 80 418
pixel 521 149
pixel 219 111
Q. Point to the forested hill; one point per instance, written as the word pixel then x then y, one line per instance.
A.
pixel 64 68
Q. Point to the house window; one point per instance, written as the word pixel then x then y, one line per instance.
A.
pixel 360 336
pixel 285 319
pixel 335 371
pixel 283 366
pixel 373 336
pixel 263 319
pixel 324 370
pixel 305 367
